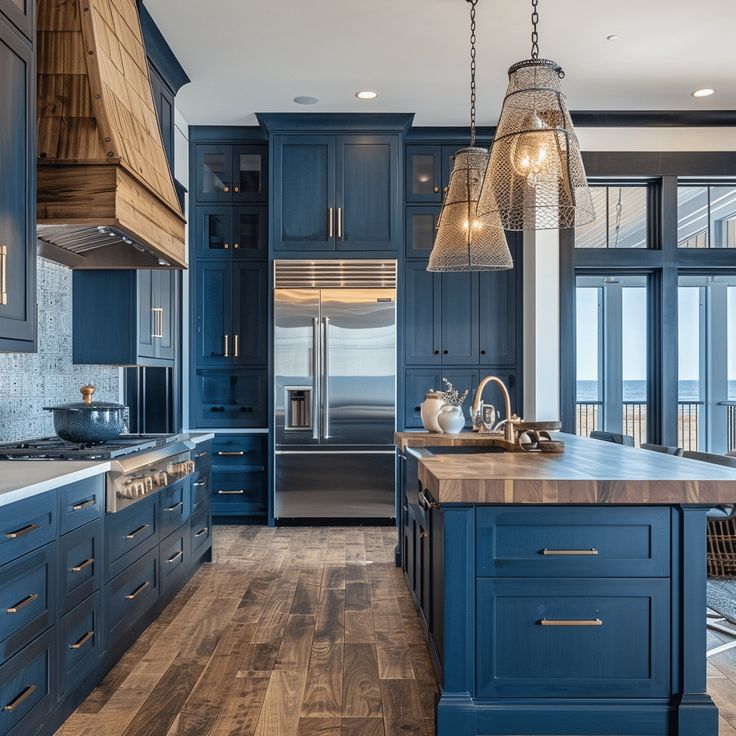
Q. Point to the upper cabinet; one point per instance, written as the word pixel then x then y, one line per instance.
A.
pixel 237 232
pixel 18 188
pixel 231 173
pixel 20 13
pixel 336 193
pixel 125 317
pixel 427 171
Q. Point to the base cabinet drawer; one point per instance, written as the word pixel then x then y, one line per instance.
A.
pixel 129 533
pixel 25 688
pixel 27 525
pixel 573 637
pixel 81 503
pixel 27 599
pixel 80 564
pixel 238 493
pixel 200 490
pixel 239 451
pixel 200 530
pixel 80 643
pixel 175 504
pixel 128 596
pixel 202 455
pixel 174 558
pixel 573 541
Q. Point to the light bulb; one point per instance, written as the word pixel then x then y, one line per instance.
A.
pixel 533 154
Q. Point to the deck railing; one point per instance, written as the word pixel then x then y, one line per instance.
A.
pixel 589 417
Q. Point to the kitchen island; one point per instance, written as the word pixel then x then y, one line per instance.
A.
pixel 561 594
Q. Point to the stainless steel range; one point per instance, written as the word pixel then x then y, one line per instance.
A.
pixel 141 464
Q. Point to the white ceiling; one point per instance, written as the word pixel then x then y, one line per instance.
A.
pixel 245 56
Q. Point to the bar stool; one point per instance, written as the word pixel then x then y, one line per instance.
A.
pixel 665 449
pixel 615 437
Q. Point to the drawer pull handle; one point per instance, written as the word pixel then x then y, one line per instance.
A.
pixel 22 532
pixel 136 532
pixel 132 596
pixel 201 454
pixel 84 504
pixel 175 557
pixel 571 622
pixel 22 604
pixel 175 507
pixel 82 565
pixel 202 531
pixel 23 696
pixel 81 642
pixel 230 453
pixel 199 483
pixel 231 493
pixel 570 552
pixel 426 500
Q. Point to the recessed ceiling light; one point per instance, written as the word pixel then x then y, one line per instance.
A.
pixel 612 37
pixel 705 92
pixel 366 94
pixel 306 100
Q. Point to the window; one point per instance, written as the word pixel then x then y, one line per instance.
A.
pixel 621 219
pixel 612 358
pixel 707 363
pixel 706 216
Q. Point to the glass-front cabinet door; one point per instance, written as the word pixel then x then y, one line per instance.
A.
pixel 250 232
pixel 250 173
pixel 214 236
pixel 424 174
pixel 226 173
pixel 421 228
pixel 213 173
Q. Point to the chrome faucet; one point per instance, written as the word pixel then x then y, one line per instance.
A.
pixel 508 423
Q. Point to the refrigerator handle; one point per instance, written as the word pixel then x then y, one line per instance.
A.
pixel 316 377
pixel 326 378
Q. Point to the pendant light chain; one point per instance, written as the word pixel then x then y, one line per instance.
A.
pixel 473 3
pixel 535 35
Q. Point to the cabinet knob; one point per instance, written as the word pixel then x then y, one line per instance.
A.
pixel 444 189
pixel 226 245
pixel 248 409
pixel 417 408
pixel 482 352
pixel 236 246
pixel 436 189
pixel 226 188
pixel 436 352
pixel 444 352
pixel 236 189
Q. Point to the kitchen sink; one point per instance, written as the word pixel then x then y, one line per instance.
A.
pixel 461 450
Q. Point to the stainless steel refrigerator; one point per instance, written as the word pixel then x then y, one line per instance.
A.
pixel 335 389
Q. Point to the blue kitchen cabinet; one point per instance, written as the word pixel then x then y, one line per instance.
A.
pixel 18 193
pixel 441 317
pixel 226 173
pixel 230 398
pixel 238 475
pixel 230 319
pixel 20 13
pixel 423 172
pixel 231 231
pixel 123 317
pixel 336 193
pixel 420 222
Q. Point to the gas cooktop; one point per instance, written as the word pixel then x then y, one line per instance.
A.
pixel 54 448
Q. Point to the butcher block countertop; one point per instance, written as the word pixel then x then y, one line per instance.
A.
pixel 588 472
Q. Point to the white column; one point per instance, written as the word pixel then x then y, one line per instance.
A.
pixel 541 379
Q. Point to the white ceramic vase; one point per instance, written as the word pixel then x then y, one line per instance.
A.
pixel 431 407
pixel 451 419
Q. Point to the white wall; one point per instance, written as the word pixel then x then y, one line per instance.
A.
pixel 541 260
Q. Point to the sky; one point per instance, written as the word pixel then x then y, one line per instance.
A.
pixel 635 334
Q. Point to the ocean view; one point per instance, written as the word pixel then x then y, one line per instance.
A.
pixel 637 391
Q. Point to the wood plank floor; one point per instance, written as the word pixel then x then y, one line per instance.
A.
pixel 291 631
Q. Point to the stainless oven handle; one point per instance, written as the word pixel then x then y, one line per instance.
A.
pixel 316 377
pixel 326 378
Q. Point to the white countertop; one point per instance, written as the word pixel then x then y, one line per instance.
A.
pixel 25 478
pixel 21 479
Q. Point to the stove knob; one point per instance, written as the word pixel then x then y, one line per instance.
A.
pixel 162 478
pixel 148 484
pixel 139 488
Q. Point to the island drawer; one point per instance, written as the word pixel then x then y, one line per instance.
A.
pixel 564 541
pixel 81 502
pixel 200 531
pixel 202 455
pixel 79 642
pixel 129 533
pixel 200 490
pixel 564 638
pixel 80 564
pixel 174 557
pixel 175 503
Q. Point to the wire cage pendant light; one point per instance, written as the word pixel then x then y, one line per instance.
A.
pixel 535 179
pixel 464 242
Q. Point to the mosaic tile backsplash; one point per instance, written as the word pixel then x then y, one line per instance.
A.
pixel 30 381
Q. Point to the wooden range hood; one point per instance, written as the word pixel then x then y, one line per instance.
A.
pixel 105 194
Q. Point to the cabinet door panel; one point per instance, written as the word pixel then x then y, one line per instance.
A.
pixel 423 174
pixel 304 192
pixel 459 325
pixel 214 309
pixel 165 297
pixel 213 230
pixel 213 173
pixel 230 399
pixel 422 321
pixel 249 313
pixel 146 329
pixel 250 232
pixel 250 173
pixel 17 194
pixel 367 190
pixel 421 228
pixel 416 384
pixel 497 314
pixel 20 12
